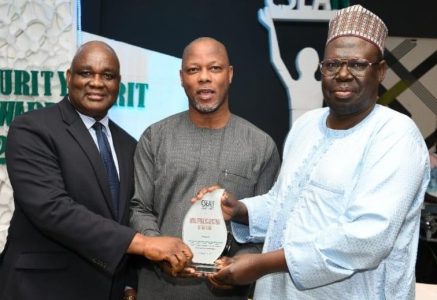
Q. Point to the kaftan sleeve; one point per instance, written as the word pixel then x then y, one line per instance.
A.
pixel 258 209
pixel 142 217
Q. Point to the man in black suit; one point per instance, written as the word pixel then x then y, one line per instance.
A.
pixel 67 238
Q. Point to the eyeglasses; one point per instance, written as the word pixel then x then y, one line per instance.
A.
pixel 357 67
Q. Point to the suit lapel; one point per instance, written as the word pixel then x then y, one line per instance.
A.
pixel 81 134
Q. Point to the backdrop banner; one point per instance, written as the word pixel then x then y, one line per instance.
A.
pixel 37 42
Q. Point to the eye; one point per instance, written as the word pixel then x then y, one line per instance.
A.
pixel 108 76
pixel 331 64
pixel 216 69
pixel 358 65
pixel 192 70
pixel 85 73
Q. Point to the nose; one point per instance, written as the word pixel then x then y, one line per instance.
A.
pixel 204 75
pixel 343 71
pixel 96 80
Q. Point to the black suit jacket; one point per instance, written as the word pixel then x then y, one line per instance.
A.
pixel 64 241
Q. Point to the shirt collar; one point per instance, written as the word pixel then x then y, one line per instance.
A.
pixel 89 121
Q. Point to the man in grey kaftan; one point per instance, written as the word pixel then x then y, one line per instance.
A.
pixel 182 153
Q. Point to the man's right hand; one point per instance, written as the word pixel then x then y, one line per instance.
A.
pixel 169 250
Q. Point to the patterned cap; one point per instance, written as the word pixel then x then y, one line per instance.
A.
pixel 357 21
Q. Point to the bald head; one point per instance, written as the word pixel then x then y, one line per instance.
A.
pixel 212 43
pixel 94 46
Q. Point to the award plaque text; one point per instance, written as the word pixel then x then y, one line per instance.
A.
pixel 204 231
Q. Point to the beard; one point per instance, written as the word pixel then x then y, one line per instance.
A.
pixel 207 107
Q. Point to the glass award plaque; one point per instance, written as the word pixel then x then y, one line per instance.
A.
pixel 204 231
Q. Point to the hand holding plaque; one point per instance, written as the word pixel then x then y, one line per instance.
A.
pixel 204 231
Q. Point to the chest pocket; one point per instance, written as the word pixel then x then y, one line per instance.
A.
pixel 327 202
pixel 237 182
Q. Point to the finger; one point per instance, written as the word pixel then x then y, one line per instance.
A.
pixel 175 267
pixel 225 196
pixel 199 194
pixel 223 261
pixel 186 272
pixel 211 189
pixel 219 265
pixel 190 272
pixel 214 187
pixel 182 260
pixel 217 283
pixel 228 199
pixel 187 252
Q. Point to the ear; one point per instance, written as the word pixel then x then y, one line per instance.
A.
pixel 231 74
pixel 382 70
pixel 180 76
pixel 68 75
